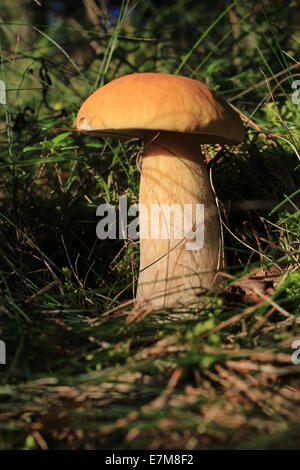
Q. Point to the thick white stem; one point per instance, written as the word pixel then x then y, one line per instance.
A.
pixel 174 175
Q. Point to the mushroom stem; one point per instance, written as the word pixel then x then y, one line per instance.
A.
pixel 174 181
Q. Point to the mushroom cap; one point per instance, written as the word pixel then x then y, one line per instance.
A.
pixel 135 103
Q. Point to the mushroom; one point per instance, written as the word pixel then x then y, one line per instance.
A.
pixel 173 115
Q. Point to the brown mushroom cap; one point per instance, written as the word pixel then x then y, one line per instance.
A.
pixel 160 102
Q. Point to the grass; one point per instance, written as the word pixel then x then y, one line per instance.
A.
pixel 85 368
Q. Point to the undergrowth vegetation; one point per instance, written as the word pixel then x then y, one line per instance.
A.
pixel 85 367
